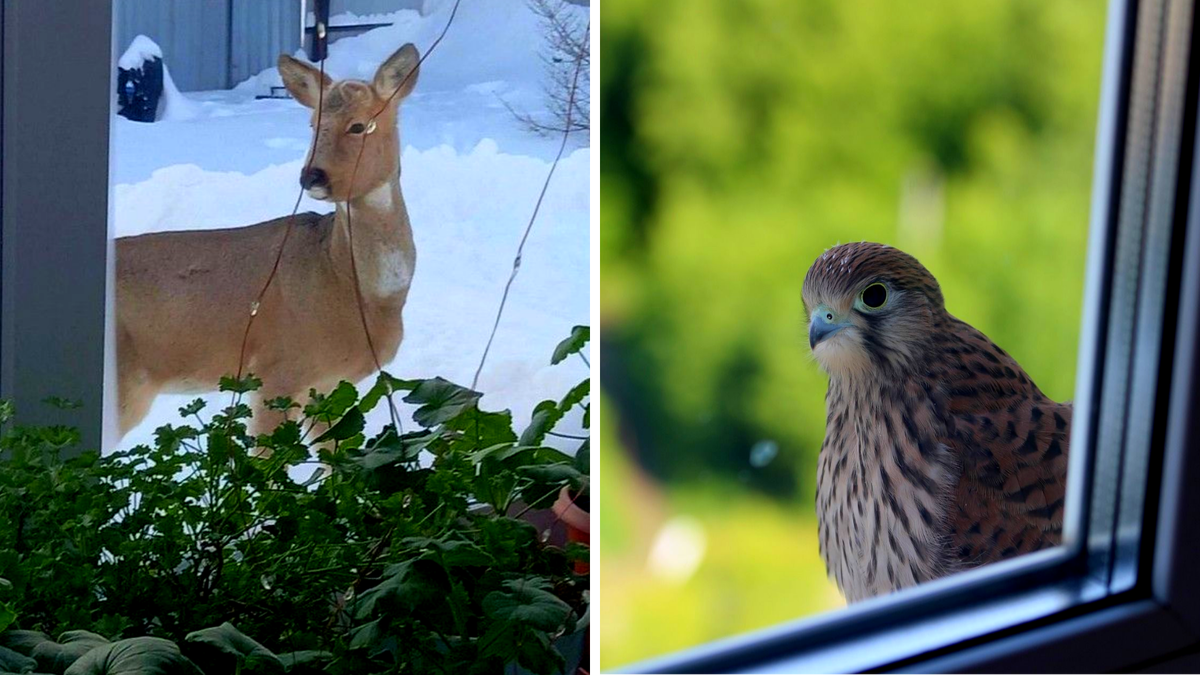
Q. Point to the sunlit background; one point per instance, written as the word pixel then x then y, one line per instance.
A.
pixel 742 138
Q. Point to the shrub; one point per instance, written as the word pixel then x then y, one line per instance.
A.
pixel 404 551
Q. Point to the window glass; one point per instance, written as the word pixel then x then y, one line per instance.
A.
pixel 475 137
pixel 741 142
pixel 416 203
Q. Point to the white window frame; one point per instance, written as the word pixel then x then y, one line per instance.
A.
pixel 1122 593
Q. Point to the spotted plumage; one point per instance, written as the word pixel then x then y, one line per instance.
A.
pixel 940 452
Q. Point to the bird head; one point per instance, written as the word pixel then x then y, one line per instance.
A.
pixel 872 309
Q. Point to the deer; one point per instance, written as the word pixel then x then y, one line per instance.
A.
pixel 183 298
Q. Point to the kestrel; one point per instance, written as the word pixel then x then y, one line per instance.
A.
pixel 940 453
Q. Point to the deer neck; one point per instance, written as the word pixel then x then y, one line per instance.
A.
pixel 383 244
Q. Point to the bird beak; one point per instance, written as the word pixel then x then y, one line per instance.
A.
pixel 819 328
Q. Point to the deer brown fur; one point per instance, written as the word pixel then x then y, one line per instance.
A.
pixel 184 298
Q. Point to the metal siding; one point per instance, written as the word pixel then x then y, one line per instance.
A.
pixel 262 30
pixel 193 34
pixel 365 7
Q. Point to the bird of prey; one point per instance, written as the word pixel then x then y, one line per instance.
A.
pixel 940 452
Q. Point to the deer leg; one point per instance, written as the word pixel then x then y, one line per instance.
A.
pixel 135 392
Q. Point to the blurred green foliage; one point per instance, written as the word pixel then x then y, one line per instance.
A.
pixel 741 138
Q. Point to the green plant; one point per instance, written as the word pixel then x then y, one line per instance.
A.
pixel 339 552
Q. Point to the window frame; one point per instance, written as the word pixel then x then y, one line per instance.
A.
pixel 1120 592
pixel 57 79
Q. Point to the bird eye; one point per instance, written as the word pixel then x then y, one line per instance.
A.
pixel 356 128
pixel 874 296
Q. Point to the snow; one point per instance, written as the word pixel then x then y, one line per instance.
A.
pixel 141 50
pixel 470 176
pixel 172 105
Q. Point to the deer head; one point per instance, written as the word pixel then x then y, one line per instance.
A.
pixel 354 117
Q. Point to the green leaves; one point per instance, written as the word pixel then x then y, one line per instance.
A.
pixel 7 613
pixel 402 588
pixel 580 336
pixel 243 385
pixel 547 414
pixel 56 657
pixel 240 651
pixel 306 657
pixel 384 384
pixel 22 641
pixel 440 401
pixel 351 424
pixel 14 662
pixel 524 614
pixel 135 656
pixel 383 561
pixel 527 602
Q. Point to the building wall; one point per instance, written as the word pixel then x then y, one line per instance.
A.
pixel 365 7
pixel 212 44
pixel 262 30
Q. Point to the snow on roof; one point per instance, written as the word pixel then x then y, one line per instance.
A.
pixel 141 50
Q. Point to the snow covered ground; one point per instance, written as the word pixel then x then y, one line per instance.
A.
pixel 470 175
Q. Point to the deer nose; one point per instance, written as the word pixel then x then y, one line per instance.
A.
pixel 313 177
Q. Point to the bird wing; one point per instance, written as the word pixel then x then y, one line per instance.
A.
pixel 1012 442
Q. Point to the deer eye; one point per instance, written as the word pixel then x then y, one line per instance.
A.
pixel 356 128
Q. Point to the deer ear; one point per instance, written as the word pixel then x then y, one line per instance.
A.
pixel 301 80
pixel 397 76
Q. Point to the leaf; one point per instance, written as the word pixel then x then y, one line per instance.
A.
pixel 523 615
pixel 384 384
pixel 280 403
pixel 246 384
pixel 367 636
pixel 192 408
pixel 23 641
pixel 527 602
pixel 56 657
pixel 548 414
pixel 399 587
pixel 452 553
pixel 547 481
pixel 7 614
pixel 580 336
pixel 387 448
pixel 245 651
pixel 63 403
pixel 135 656
pixel 334 405
pixel 577 551
pixel 576 395
pixel 583 458
pixel 497 453
pixel 440 401
pixel 347 427
pixel 304 658
pixel 539 656
pixel 555 474
pixel 545 415
pixel 12 661
pixel 481 429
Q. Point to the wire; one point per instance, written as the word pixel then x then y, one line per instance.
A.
pixel 362 313
pixel 287 232
pixel 537 207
